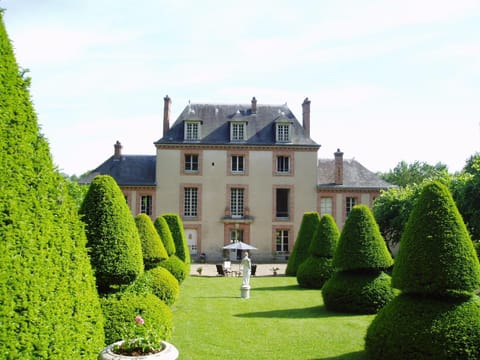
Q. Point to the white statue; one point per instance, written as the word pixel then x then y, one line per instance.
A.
pixel 247 267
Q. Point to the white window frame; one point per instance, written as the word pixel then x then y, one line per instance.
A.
pixel 283 164
pixel 281 240
pixel 283 133
pixel 190 202
pixel 350 202
pixel 237 164
pixel 238 131
pixel 146 204
pixel 189 162
pixel 192 130
pixel 237 202
pixel 326 206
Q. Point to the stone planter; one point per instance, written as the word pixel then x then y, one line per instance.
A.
pixel 169 352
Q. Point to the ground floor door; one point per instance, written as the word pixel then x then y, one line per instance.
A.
pixel 192 237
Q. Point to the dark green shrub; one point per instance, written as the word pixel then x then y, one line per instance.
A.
pixel 165 235
pixel 115 248
pixel 49 307
pixel 176 267
pixel 175 225
pixel 308 226
pixel 359 293
pixel 159 282
pixel 318 267
pixel 120 313
pixel 152 247
pixel 437 316
pixel 360 285
pixel 418 327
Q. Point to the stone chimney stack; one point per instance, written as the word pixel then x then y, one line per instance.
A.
pixel 306 116
pixel 338 167
pixel 254 105
pixel 118 150
pixel 166 114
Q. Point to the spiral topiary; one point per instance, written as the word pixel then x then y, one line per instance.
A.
pixel 159 282
pixel 318 267
pixel 153 250
pixel 437 315
pixel 359 285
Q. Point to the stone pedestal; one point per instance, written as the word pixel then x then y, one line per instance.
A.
pixel 245 291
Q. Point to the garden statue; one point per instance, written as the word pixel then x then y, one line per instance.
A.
pixel 247 266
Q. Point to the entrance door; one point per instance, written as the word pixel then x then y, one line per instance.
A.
pixel 235 236
pixel 191 235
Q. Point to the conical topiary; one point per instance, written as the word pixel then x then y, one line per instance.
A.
pixel 165 235
pixel 318 267
pixel 115 248
pixel 175 225
pixel 360 284
pixel 437 315
pixel 308 226
pixel 152 247
pixel 49 307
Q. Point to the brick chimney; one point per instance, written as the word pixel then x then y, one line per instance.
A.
pixel 306 116
pixel 254 105
pixel 166 114
pixel 338 167
pixel 117 154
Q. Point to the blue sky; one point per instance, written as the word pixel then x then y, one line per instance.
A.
pixel 388 80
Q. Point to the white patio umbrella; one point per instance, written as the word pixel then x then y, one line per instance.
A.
pixel 239 245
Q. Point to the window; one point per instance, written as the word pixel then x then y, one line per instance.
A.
pixel 350 202
pixel 237 131
pixel 192 130
pixel 236 202
pixel 326 206
pixel 146 204
pixel 191 162
pixel 281 240
pixel 190 202
pixel 283 133
pixel 282 203
pixel 237 164
pixel 283 164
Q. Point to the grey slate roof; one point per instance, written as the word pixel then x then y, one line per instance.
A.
pixel 216 118
pixel 128 170
pixel 355 176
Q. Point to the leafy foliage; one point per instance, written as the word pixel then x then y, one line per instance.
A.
pixel 176 267
pixel 178 234
pixel 165 235
pixel 115 248
pixel 310 222
pixel 152 247
pixel 409 174
pixel 49 307
pixel 159 282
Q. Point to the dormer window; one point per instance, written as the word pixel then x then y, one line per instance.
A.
pixel 192 130
pixel 238 131
pixel 283 132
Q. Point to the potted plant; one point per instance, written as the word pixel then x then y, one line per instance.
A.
pixel 275 270
pixel 139 344
pixel 199 270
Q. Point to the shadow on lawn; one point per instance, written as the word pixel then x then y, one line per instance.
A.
pixel 303 313
pixel 356 355
pixel 277 288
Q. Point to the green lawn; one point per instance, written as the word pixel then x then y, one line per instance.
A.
pixel 279 321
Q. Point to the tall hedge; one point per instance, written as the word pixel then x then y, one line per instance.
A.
pixel 175 225
pixel 49 308
pixel 113 240
pixel 318 267
pixel 152 247
pixel 438 272
pixel 308 226
pixel 359 284
pixel 165 235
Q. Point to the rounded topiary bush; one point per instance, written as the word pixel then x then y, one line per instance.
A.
pixel 360 284
pixel 175 225
pixel 318 267
pixel 120 313
pixel 176 267
pixel 159 282
pixel 308 226
pixel 165 235
pixel 152 247
pixel 420 328
pixel 360 293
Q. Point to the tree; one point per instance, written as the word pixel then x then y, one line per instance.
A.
pixel 408 174
pixel 49 307
pixel 308 226
pixel 438 272
pixel 115 248
pixel 318 267
pixel 360 284
pixel 152 247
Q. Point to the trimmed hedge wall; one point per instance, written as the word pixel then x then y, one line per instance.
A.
pixel 115 248
pixel 120 313
pixel 49 307
pixel 159 282
pixel 176 267
pixel 165 235
pixel 308 226
pixel 153 250
pixel 175 225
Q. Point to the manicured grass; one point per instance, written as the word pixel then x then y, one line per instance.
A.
pixel 279 321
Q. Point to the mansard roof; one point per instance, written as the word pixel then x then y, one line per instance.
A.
pixel 127 170
pixel 216 118
pixel 355 176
